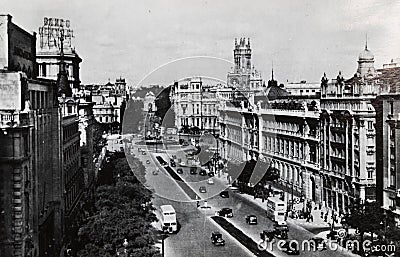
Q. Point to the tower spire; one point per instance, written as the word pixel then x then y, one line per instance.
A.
pixel 272 69
pixel 366 41
pixel 63 87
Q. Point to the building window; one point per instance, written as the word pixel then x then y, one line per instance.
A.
pixel 43 70
pixel 69 109
pixel 391 107
pixel 370 125
pixel 370 173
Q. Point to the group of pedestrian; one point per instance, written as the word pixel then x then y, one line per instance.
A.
pixel 309 217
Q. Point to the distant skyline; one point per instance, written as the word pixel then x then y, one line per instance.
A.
pixel 302 38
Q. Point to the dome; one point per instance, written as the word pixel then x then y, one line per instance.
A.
pixel 366 55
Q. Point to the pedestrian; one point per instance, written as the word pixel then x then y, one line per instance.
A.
pixel 322 214
pixel 311 218
pixel 198 204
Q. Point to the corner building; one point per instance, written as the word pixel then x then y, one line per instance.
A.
pixel 348 162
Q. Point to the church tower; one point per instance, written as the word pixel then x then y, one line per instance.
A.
pixel 242 56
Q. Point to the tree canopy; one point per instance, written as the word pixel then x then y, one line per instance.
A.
pixel 123 211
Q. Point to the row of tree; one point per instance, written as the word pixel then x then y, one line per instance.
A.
pixel 368 218
pixel 120 219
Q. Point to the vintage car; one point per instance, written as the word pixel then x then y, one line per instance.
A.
pixel 202 189
pixel 267 235
pixel 224 194
pixel 225 212
pixel 216 239
pixel 202 173
pixel 193 170
pixel 251 219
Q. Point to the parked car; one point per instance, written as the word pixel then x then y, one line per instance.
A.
pixel 332 235
pixel 319 243
pixel 202 189
pixel 203 173
pixel 148 161
pixel 193 170
pixel 251 219
pixel 182 164
pixel 143 153
pixel 216 239
pixel 211 174
pixel 267 235
pixel 224 194
pixel 291 248
pixel 225 212
pixel 172 163
pixel 210 181
pixel 179 171
pixel 173 156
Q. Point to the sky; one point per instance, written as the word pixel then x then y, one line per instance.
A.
pixel 302 38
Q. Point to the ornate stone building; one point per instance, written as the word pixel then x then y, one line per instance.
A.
pixel 348 163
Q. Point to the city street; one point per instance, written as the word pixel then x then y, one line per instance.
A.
pixel 196 223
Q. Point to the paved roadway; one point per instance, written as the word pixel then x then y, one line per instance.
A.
pixel 194 237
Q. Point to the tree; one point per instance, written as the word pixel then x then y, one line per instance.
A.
pixel 365 217
pixel 163 103
pixel 123 211
pixel 98 141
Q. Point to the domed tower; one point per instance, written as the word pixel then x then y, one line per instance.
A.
pixel 366 63
pixel 242 55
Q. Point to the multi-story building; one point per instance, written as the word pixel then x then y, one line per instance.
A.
pixel 31 197
pixel 268 125
pixel 48 52
pixel 86 123
pixel 348 163
pixel 303 88
pixel 280 131
pixel 109 101
pixel 196 104
pixel 387 107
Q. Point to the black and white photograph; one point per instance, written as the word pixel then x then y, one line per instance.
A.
pixel 199 128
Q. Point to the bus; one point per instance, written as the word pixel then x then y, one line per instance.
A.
pixel 168 219
pixel 276 209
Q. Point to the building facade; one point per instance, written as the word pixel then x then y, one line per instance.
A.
pixel 387 107
pixel 110 100
pixel 303 88
pixel 48 52
pixel 348 163
pixel 196 103
pixel 32 199
pixel 31 196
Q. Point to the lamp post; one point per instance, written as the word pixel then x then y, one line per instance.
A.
pixel 164 235
pixel 384 224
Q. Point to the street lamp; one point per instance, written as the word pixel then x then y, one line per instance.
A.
pixel 384 223
pixel 164 235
